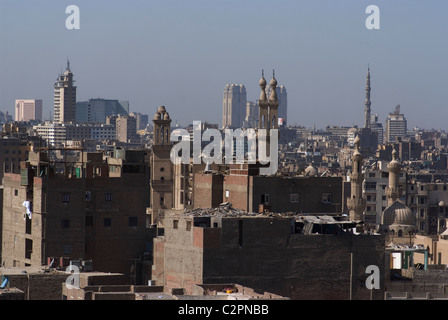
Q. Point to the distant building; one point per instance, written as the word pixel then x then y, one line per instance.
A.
pixel 377 127
pixel 234 105
pixel 125 127
pixel 396 126
pixel 251 120
pixel 65 97
pixel 57 134
pixel 29 109
pixel 141 120
pixel 97 110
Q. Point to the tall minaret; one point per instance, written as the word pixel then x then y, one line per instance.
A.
pixel 273 104
pixel 356 203
pixel 263 103
pixel 161 167
pixel 393 192
pixel 368 103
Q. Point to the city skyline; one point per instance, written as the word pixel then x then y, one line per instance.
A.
pixel 181 55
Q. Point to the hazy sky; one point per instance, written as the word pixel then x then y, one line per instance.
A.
pixel 182 53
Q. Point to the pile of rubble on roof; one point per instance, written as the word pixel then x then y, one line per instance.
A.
pixel 226 209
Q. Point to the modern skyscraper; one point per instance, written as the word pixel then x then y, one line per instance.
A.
pixel 96 110
pixel 377 127
pixel 234 105
pixel 65 97
pixel 283 105
pixel 396 125
pixel 29 109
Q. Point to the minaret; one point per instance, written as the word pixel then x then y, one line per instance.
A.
pixel 393 191
pixel 273 104
pixel 263 104
pixel 356 203
pixel 161 167
pixel 368 103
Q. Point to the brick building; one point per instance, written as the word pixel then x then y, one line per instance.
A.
pixel 266 253
pixel 75 210
pixel 248 191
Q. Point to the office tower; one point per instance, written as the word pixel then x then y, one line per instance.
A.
pixel 65 97
pixel 142 119
pixel 28 109
pixel 251 120
pixel 126 129
pixel 283 105
pixel 234 106
pixel 96 110
pixel 396 126
pixel 377 127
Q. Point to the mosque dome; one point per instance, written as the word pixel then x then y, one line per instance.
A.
pixel 166 116
pixel 161 109
pixel 157 116
pixel 273 82
pixel 398 218
pixel 262 82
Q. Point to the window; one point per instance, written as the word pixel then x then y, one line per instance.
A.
pixel 188 228
pixel 16 192
pixel 370 185
pixel 133 221
pixel 108 196
pixel 227 193
pixel 67 249
pixel 175 224
pixel 65 223
pixel 89 221
pixel 265 198
pixel 107 222
pixel 294 198
pixel 326 198
pixel 66 197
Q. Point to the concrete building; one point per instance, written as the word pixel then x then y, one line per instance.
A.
pixel 65 97
pixel 125 128
pixel 234 106
pixel 270 253
pixel 376 180
pixel 59 134
pixel 28 109
pixel 396 126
